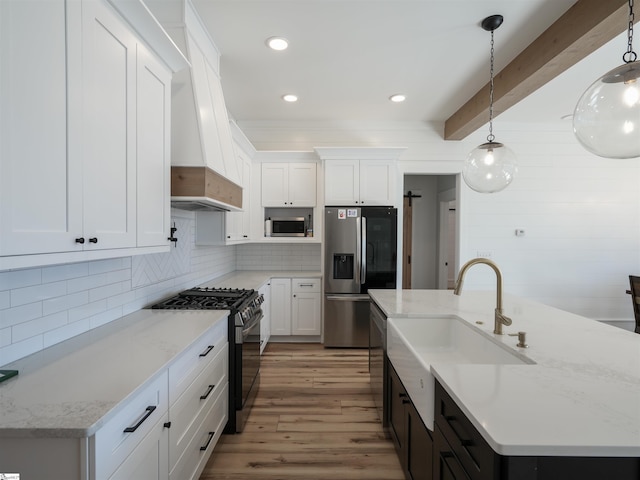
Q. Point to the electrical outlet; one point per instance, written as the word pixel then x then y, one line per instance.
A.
pixel 484 253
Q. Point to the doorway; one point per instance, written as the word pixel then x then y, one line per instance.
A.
pixel 429 231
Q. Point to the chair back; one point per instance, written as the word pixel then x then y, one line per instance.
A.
pixel 635 298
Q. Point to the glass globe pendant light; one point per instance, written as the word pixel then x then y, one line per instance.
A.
pixel 490 167
pixel 606 120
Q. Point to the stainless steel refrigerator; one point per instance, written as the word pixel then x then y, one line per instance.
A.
pixel 360 253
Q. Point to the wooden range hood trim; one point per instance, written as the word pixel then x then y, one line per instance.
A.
pixel 585 27
pixel 202 182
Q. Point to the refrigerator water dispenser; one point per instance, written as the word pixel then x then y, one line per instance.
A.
pixel 343 265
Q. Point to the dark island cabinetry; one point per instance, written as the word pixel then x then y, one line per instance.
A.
pixel 410 436
pixel 460 453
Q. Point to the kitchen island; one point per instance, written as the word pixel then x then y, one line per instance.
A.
pixel 577 396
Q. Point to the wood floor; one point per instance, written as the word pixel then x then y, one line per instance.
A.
pixel 314 419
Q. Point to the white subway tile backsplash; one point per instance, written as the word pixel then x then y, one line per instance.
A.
pixel 38 326
pixel 20 278
pixel 65 332
pixel 279 257
pixel 106 291
pixel 88 310
pixel 43 306
pixel 23 313
pixel 5 299
pixel 87 283
pixel 58 304
pixel 17 350
pixel 109 265
pixel 105 317
pixel 5 337
pixel 64 272
pixel 122 299
pixel 21 296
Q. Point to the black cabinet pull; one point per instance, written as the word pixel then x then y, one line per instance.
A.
pixel 80 240
pixel 149 410
pixel 405 401
pixel 211 434
pixel 93 240
pixel 206 352
pixel 209 390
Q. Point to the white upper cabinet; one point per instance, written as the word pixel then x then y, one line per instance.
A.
pixel 288 184
pixel 40 176
pixel 109 129
pixel 359 182
pixel 377 182
pixel 84 136
pixel 342 182
pixel 238 224
pixel 153 156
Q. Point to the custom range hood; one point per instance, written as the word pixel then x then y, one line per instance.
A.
pixel 204 170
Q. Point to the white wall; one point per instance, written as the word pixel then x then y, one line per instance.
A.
pixel 581 213
pixel 581 216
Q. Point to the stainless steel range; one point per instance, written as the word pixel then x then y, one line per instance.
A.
pixel 244 341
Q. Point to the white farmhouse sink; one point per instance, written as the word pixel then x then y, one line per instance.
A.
pixel 414 344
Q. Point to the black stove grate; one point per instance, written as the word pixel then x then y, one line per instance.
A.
pixel 206 299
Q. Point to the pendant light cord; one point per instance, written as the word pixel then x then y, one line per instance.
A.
pixel 491 137
pixel 630 56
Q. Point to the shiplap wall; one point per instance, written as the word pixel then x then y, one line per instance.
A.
pixel 581 216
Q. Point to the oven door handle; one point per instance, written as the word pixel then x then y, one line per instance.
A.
pixel 254 320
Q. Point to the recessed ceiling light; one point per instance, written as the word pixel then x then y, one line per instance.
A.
pixel 290 98
pixel 398 97
pixel 277 43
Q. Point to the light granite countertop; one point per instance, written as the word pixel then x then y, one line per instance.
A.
pixel 254 279
pixel 581 397
pixel 71 389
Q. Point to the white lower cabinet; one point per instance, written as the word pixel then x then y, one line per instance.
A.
pixel 295 306
pixel 122 434
pixel 165 430
pixel 149 459
pixel 199 404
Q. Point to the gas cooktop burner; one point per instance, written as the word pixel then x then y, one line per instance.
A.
pixel 206 298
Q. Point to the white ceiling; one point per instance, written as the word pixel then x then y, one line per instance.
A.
pixel 346 57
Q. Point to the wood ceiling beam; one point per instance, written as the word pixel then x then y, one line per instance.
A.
pixel 585 27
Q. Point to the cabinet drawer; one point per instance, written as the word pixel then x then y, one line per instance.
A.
pixel 300 285
pixel 197 397
pixel 190 364
pixel 147 460
pixel 114 442
pixel 211 422
pixel 473 452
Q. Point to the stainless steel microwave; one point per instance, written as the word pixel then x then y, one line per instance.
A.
pixel 288 227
